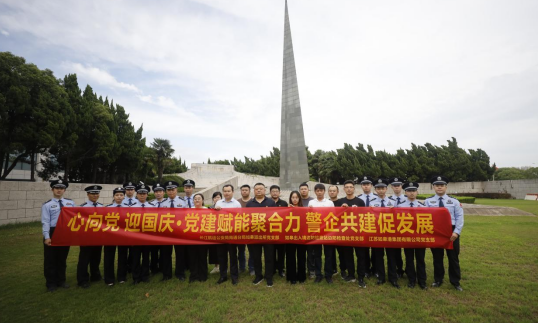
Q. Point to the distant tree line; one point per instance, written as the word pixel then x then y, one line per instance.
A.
pixel 78 133
pixel 505 173
pixel 416 164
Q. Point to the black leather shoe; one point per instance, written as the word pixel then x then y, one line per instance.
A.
pixel 221 280
pixel 282 274
pixel 318 280
pixel 235 281
pixel 458 288
pixel 411 285
pixel 362 283
pixel 395 284
pixel 293 282
pixel 380 282
pixel 84 285
pixel 423 286
pixel 329 280
pixel 367 275
pixel 437 284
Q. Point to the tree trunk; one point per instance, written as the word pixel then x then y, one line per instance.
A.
pixel 94 175
pixel 32 166
pixel 8 170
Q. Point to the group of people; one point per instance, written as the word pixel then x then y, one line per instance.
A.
pixel 292 261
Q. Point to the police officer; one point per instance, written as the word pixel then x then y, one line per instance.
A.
pixel 110 251
pixel 173 201
pixel 90 255
pixel 155 260
pixel 130 198
pixel 414 254
pixel 441 199
pixel 382 200
pixel 188 188
pixel 141 271
pixel 368 197
pixel 398 197
pixel 55 257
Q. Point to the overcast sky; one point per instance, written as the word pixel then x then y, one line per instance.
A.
pixel 207 74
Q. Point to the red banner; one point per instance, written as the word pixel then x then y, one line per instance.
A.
pixel 358 227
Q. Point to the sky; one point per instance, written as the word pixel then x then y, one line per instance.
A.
pixel 207 74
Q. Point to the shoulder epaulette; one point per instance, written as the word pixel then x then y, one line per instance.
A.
pixel 99 203
pixel 376 194
pixel 452 196
pixel 84 203
pixel 152 201
pixel 429 197
pixel 420 203
pixel 68 199
pixel 151 204
pixel 110 204
pixel 391 198
pixel 47 202
pixel 359 195
pixel 405 195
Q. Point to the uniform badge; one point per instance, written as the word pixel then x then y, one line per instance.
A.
pixel 379 180
pixel 53 206
pixel 130 183
pixel 169 183
pixel 438 178
pixel 410 184
pixel 395 179
pixel 433 202
pixel 449 202
pixel 365 178
pixel 60 182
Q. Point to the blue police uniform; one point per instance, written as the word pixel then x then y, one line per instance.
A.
pixel 89 256
pixel 55 257
pixel 110 254
pixel 369 260
pixel 456 215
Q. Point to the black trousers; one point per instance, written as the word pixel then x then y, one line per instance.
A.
pixel 330 258
pixel 412 255
pixel 166 261
pixel 54 263
pixel 223 250
pixel 155 259
pixel 109 259
pixel 181 253
pixel 296 262
pixel 310 262
pixel 454 272
pixel 392 260
pixel 242 256
pixel 363 261
pixel 198 263
pixel 89 256
pixel 379 256
pixel 369 257
pixel 213 254
pixel 399 262
pixel 280 256
pixel 140 269
pixel 269 253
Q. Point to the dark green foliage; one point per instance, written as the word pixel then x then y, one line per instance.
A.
pixel 507 173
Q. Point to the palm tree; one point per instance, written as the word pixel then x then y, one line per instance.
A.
pixel 163 150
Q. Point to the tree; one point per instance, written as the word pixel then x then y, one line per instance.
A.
pixel 163 151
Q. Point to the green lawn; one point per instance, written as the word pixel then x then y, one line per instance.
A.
pixel 528 206
pixel 499 261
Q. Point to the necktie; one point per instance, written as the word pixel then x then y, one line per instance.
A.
pixel 158 204
pixel 119 205
pixel 171 203
pixel 398 199
pixel 94 204
pixel 367 200
pixel 61 204
pixel 143 205
pixel 189 201
pixel 130 201
pixel 382 203
pixel 411 204
pixel 441 204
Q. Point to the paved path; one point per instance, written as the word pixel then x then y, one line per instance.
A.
pixel 491 210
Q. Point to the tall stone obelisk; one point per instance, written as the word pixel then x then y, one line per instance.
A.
pixel 293 161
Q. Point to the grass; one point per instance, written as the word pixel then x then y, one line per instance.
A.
pixel 499 261
pixel 528 206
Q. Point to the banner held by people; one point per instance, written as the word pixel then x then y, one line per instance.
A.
pixel 373 227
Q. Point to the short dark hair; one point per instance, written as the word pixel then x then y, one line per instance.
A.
pixel 274 186
pixel 202 195
pixel 319 186
pixel 337 189
pixel 262 184
pixel 303 184
pixel 217 193
pixel 246 185
pixel 349 182
pixel 228 185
